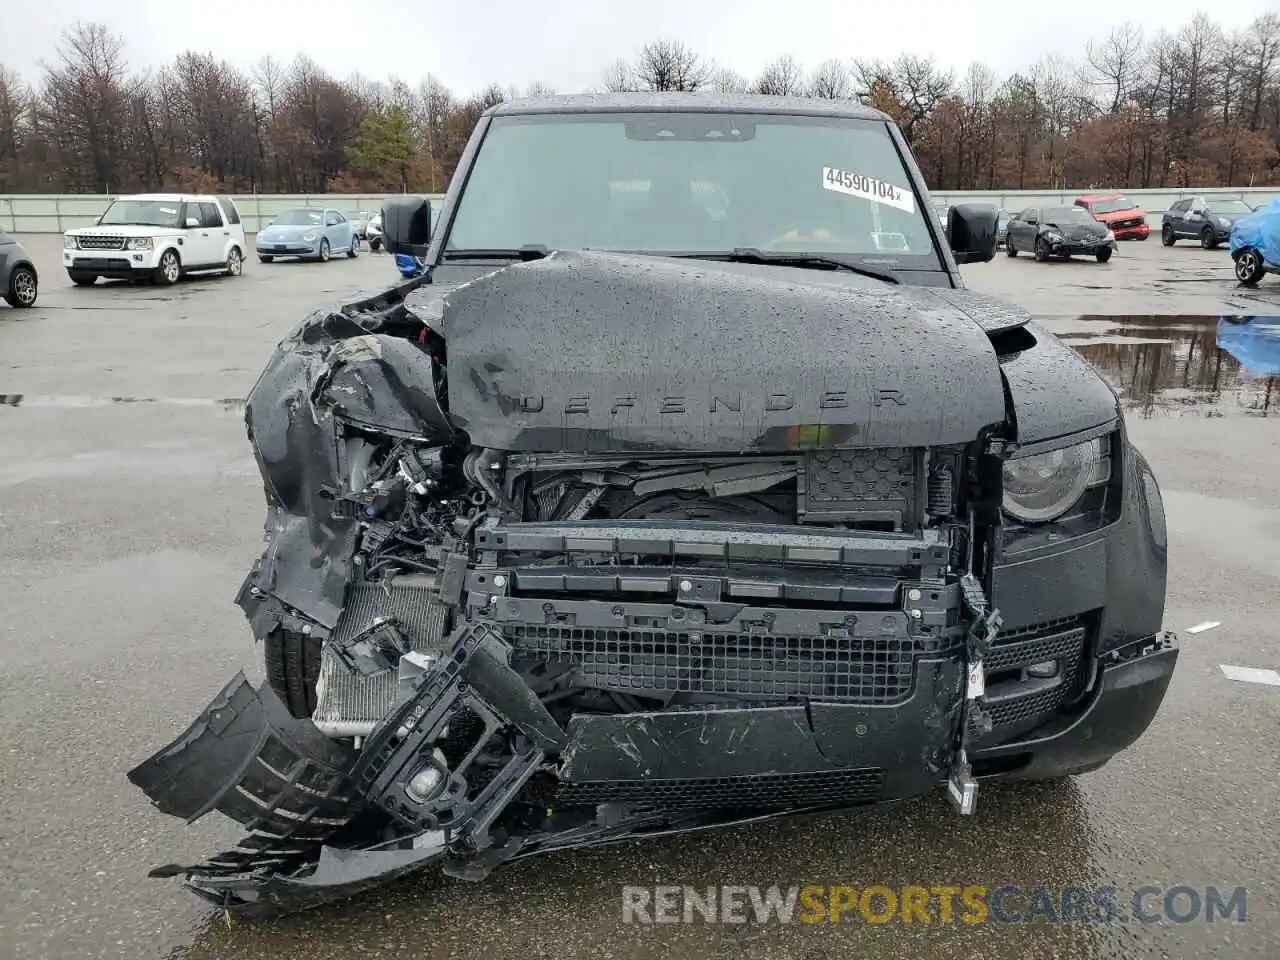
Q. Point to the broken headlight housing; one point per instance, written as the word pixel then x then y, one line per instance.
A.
pixel 1045 486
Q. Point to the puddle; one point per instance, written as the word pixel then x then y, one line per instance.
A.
pixel 229 404
pixel 1207 366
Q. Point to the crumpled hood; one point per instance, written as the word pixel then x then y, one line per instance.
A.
pixel 1074 230
pixel 596 352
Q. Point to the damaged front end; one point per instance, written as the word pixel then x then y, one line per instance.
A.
pixel 479 651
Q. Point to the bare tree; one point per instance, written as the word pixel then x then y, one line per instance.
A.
pixel 724 80
pixel 831 80
pixel 783 77
pixel 922 85
pixel 1261 49
pixel 1116 62
pixel 85 99
pixel 670 65
pixel 620 77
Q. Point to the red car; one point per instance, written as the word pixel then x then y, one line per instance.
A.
pixel 1126 219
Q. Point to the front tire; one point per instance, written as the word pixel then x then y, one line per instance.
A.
pixel 1249 267
pixel 355 248
pixel 265 258
pixel 1104 254
pixel 83 279
pixel 169 270
pixel 1009 250
pixel 24 287
pixel 1208 239
pixel 1042 251
pixel 293 667
pixel 1166 236
pixel 375 245
pixel 324 251
pixel 235 263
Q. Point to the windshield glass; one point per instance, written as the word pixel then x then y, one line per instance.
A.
pixel 1229 206
pixel 142 213
pixel 1067 215
pixel 299 218
pixel 1111 206
pixel 693 183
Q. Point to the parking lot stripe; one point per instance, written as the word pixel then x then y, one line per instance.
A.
pixel 1270 678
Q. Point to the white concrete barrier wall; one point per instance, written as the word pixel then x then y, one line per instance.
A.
pixel 54 213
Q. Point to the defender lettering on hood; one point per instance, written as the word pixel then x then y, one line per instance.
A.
pixel 568 352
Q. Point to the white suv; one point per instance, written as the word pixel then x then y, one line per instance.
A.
pixel 157 236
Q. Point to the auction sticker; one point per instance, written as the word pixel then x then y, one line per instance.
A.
pixel 868 188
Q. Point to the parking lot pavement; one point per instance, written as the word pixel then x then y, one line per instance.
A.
pixel 130 510
pixel 1142 277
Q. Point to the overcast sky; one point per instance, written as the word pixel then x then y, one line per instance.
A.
pixel 565 43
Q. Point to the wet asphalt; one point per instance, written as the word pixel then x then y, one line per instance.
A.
pixel 130 511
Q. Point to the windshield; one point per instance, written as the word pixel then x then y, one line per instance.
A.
pixel 299 218
pixel 142 213
pixel 1229 206
pixel 1067 215
pixel 693 183
pixel 1111 206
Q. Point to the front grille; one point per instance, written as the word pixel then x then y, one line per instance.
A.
pixel 101 243
pixel 843 669
pixel 1128 223
pixel 826 787
pixel 101 265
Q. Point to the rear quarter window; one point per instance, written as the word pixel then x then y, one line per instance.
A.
pixel 229 209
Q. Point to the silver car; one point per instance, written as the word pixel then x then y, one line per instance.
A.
pixel 360 222
pixel 19 281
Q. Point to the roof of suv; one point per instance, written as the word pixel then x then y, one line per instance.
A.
pixel 685 102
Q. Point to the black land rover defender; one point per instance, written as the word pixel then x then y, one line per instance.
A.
pixel 688 485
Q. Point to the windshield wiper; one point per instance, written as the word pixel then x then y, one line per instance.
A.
pixel 530 251
pixel 803 261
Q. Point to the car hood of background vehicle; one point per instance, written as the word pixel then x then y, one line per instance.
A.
pixel 594 352
pixel 123 230
pixel 288 232
pixel 1133 213
pixel 1078 231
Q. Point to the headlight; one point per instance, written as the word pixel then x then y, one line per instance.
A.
pixel 310 237
pixel 1223 222
pixel 1043 487
pixel 138 243
pixel 1053 236
pixel 70 243
pixel 1109 235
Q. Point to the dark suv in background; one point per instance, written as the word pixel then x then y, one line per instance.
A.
pixel 1208 220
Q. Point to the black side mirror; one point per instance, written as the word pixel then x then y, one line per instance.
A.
pixel 971 229
pixel 406 225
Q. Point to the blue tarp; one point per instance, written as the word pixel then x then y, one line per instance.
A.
pixel 1254 341
pixel 1260 230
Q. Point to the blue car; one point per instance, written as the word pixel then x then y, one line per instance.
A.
pixel 309 233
